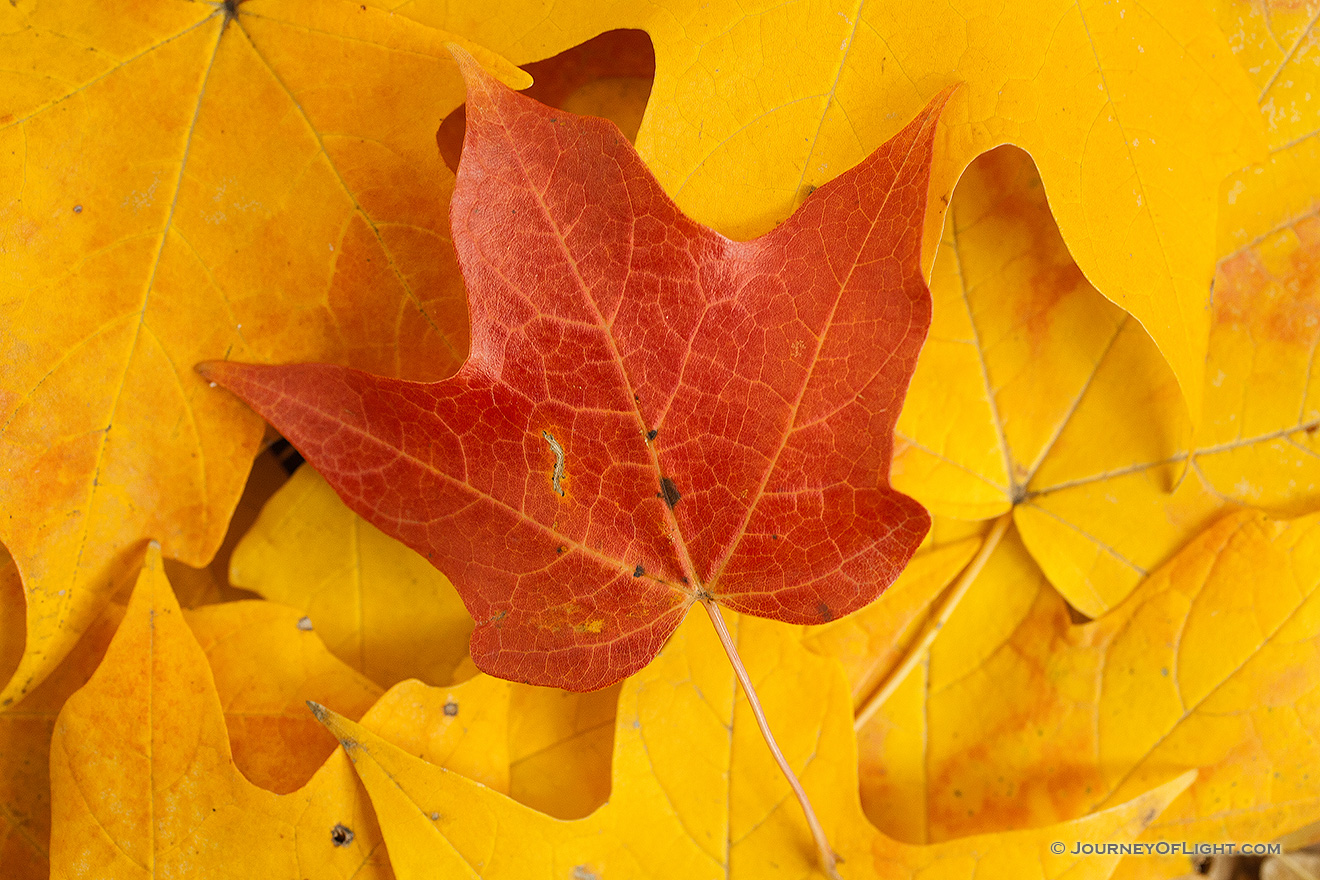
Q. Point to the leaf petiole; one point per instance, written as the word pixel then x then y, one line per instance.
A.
pixel 828 858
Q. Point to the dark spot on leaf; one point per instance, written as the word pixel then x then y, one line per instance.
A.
pixel 435 817
pixel 77 209
pixel 305 624
pixel 1310 429
pixel 650 435
pixel 341 835
pixel 559 549
pixel 669 492
pixel 683 580
pixel 638 571
pixel 774 537
pixel 451 708
pixel 825 613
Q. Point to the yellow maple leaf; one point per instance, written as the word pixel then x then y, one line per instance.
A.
pixel 871 646
pixel 271 194
pixel 142 778
pixel 1035 395
pixel 697 794
pixel 1019 716
pixel 462 727
pixel 142 783
pixel 379 606
pixel 1135 115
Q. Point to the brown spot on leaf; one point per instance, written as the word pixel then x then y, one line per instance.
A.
pixel 341 835
pixel 669 492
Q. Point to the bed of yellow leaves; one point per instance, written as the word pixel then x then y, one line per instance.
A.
pixel 1124 251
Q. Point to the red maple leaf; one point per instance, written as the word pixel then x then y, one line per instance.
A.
pixel 651 414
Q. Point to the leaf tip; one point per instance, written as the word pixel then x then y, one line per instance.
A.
pixel 211 372
pixel 468 66
pixel 340 727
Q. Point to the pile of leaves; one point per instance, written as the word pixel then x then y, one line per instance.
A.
pixel 1110 633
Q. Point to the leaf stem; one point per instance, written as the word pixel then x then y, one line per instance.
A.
pixel 955 595
pixel 828 858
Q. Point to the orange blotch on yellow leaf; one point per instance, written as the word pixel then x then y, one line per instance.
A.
pixel 1026 718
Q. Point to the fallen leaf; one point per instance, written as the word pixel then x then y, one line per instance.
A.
pixel 380 607
pixel 1135 115
pixel 274 739
pixel 697 795
pixel 1036 395
pixel 280 199
pixel 142 783
pixel 1022 718
pixel 652 414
